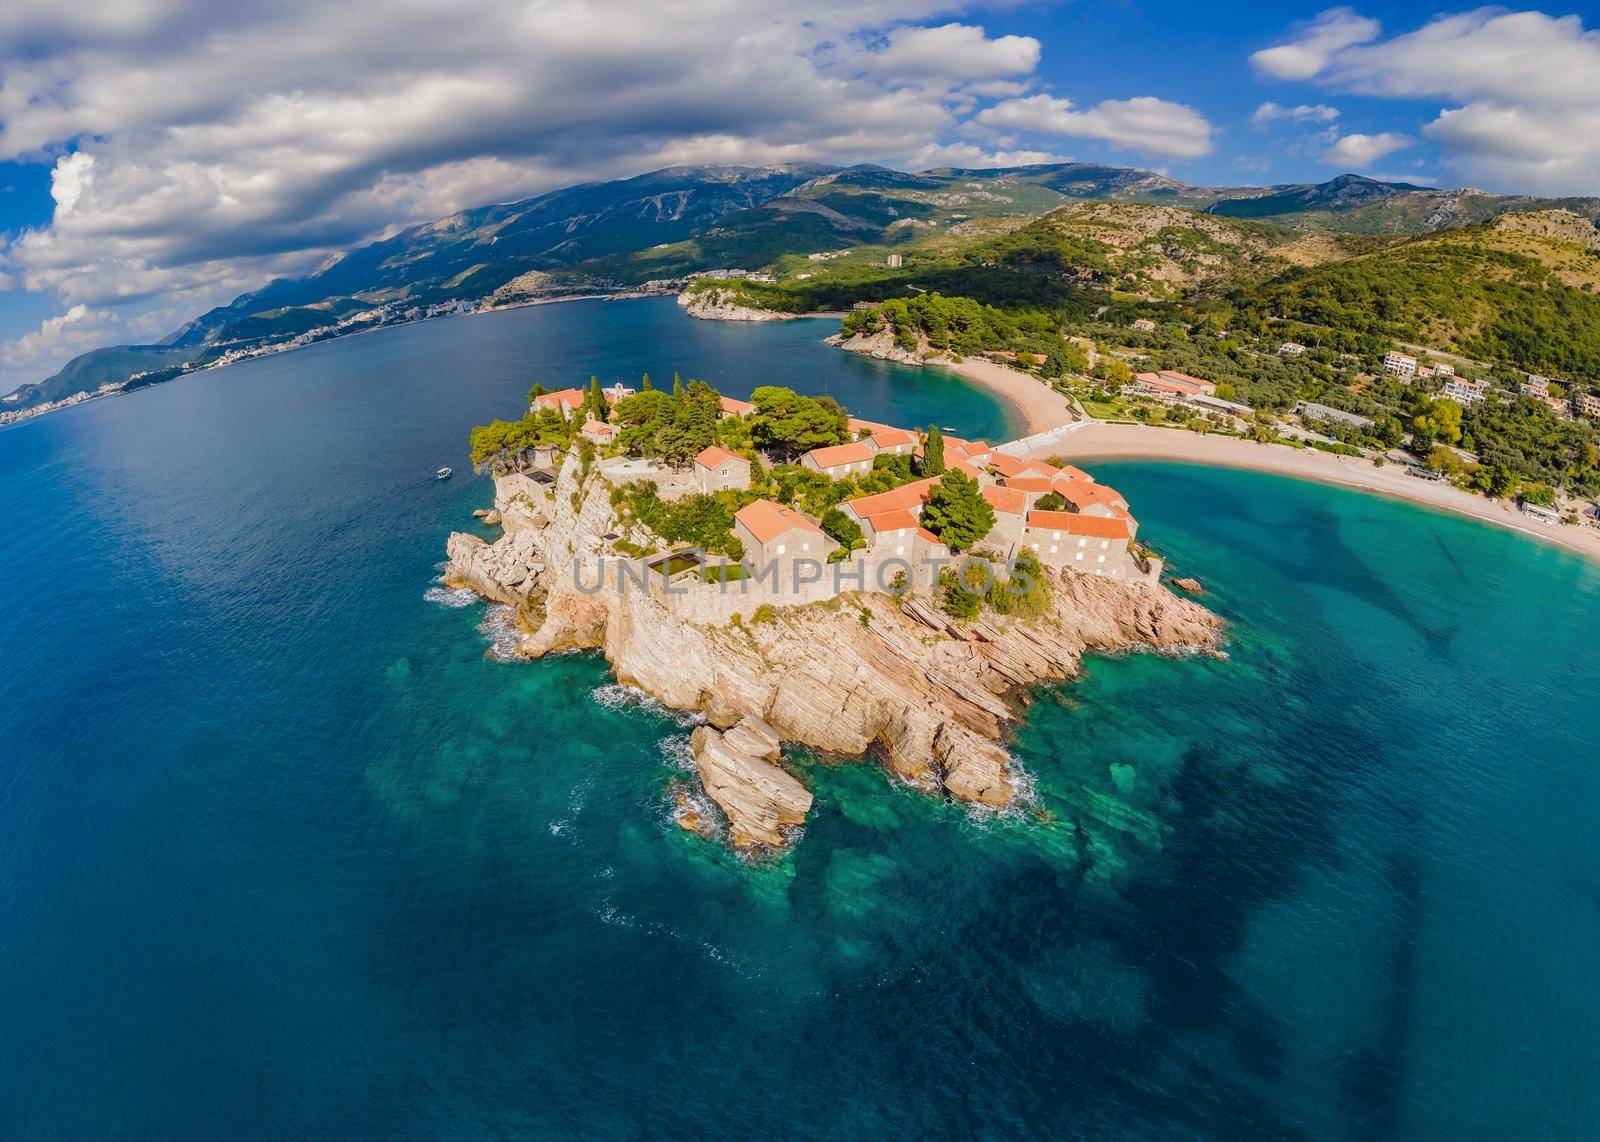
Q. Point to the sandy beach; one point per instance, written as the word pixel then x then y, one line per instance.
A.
pixel 1040 406
pixel 1129 442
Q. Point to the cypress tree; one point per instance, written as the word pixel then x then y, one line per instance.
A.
pixel 933 452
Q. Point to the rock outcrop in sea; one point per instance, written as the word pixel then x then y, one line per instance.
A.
pixel 724 305
pixel 857 674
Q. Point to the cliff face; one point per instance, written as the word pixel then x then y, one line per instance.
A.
pixel 854 675
pixel 882 346
pixel 723 305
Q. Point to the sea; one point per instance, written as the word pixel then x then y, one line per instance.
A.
pixel 288 850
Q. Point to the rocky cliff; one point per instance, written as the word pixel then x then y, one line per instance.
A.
pixel 859 674
pixel 725 305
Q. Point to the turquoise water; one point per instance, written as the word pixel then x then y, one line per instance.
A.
pixel 283 854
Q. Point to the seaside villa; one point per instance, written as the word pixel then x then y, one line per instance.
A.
pixel 1091 544
pixel 841 460
pixel 773 533
pixel 718 470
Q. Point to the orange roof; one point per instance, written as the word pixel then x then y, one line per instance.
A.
pixel 715 454
pixel 766 520
pixel 1081 493
pixel 840 454
pixel 904 498
pixel 593 425
pixel 897 519
pixel 736 407
pixel 1011 501
pixel 1009 465
pixel 869 426
pixel 1072 473
pixel 893 437
pixel 929 536
pixel 1096 526
pixel 965 468
pixel 572 398
pixel 1029 483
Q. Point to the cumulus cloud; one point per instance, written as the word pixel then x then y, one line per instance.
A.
pixel 1269 113
pixel 1143 124
pixel 954 51
pixel 1357 150
pixel 203 148
pixel 971 156
pixel 1314 42
pixel 66 334
pixel 1522 88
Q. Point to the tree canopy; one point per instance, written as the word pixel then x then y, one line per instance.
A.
pixel 957 512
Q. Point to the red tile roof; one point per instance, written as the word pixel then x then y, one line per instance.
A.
pixel 571 398
pixel 1011 501
pixel 893 437
pixel 897 519
pixel 1029 483
pixel 1082 493
pixel 905 497
pixel 715 455
pixel 766 520
pixel 736 407
pixel 841 454
pixel 593 425
pixel 870 426
pixel 1095 526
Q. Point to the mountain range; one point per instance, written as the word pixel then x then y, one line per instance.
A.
pixel 602 237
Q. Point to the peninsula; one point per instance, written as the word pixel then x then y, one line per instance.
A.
pixel 794 575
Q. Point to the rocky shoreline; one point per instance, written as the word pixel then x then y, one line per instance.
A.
pixel 859 674
pixel 722 305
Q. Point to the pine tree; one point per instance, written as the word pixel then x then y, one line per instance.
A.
pixel 644 385
pixel 677 385
pixel 595 400
pixel 957 512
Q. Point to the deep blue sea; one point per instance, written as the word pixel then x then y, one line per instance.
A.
pixel 283 854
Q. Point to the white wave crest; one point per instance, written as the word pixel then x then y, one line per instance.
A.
pixel 453 597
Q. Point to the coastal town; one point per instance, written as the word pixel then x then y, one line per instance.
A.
pixel 834 581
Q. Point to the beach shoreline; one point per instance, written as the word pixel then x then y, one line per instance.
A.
pixel 1100 441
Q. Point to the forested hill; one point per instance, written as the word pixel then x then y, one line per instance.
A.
pixel 1122 229
pixel 1524 290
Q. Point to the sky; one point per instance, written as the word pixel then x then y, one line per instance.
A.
pixel 159 157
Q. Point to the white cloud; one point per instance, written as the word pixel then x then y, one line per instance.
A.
pixel 954 51
pixel 206 148
pixel 64 335
pixel 1314 42
pixel 1357 150
pixel 970 156
pixel 1269 113
pixel 1144 124
pixel 1522 88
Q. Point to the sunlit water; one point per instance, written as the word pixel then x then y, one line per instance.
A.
pixel 284 854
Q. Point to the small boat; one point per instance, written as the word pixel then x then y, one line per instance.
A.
pixel 442 474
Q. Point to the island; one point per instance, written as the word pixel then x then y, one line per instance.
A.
pixel 793 575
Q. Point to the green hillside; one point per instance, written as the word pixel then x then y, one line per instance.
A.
pixel 1512 291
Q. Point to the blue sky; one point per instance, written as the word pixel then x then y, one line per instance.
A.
pixel 158 157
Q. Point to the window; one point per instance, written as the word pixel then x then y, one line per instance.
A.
pixel 1104 543
pixel 1080 557
pixel 1052 549
pixel 807 547
pixel 900 550
pixel 1102 559
pixel 723 473
pixel 1082 542
pixel 782 548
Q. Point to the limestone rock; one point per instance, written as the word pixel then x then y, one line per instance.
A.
pixel 850 677
pixel 761 800
pixel 723 305
pixel 1192 586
